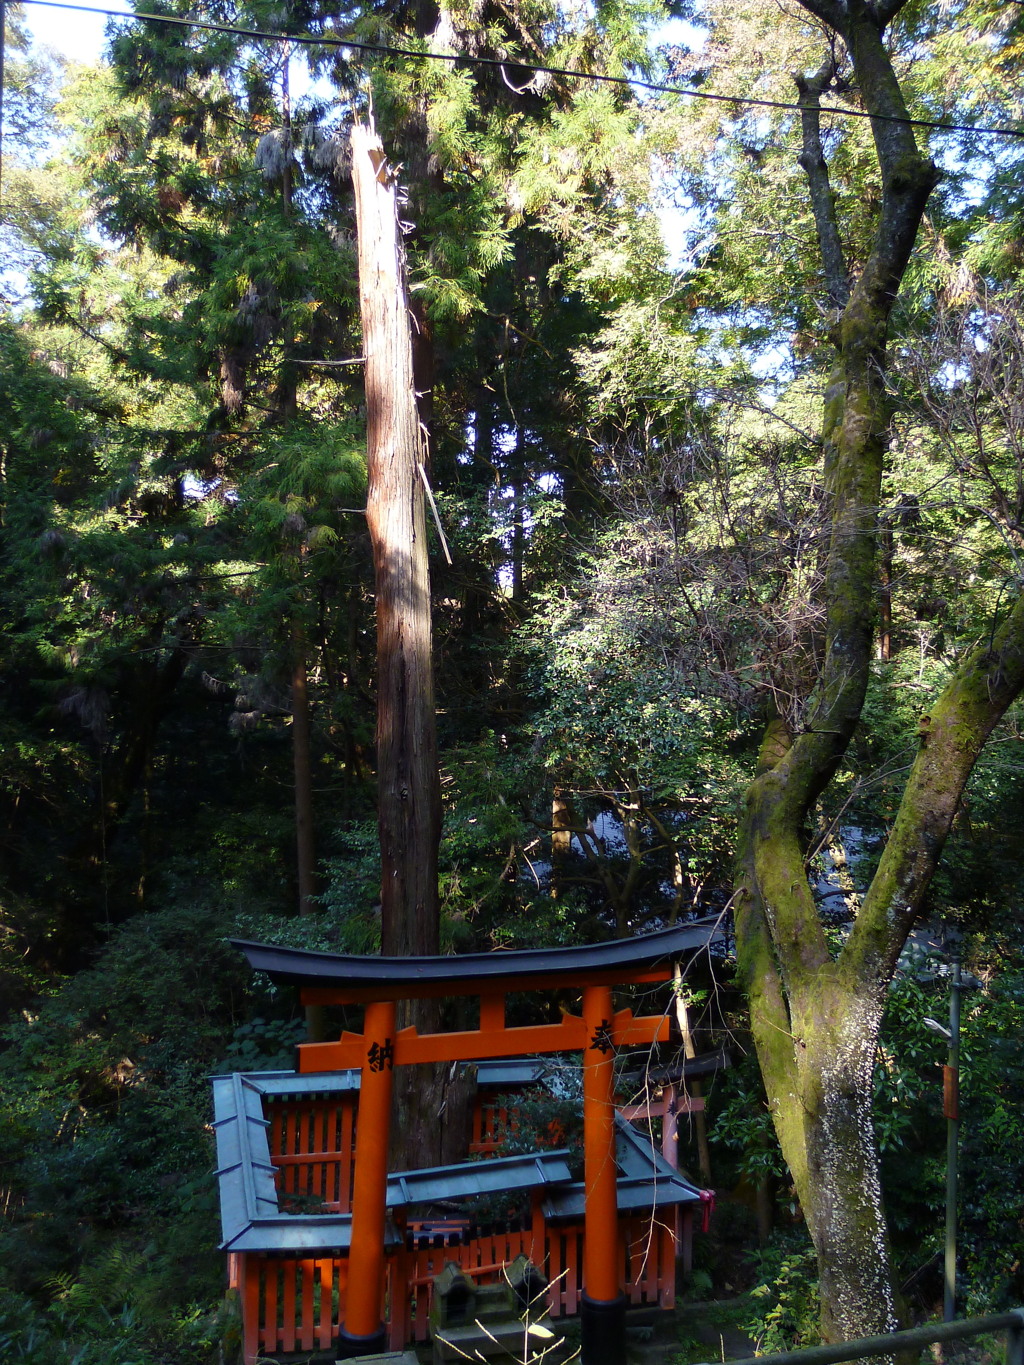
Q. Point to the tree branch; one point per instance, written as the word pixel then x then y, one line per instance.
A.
pixel 830 12
pixel 885 11
pixel 812 161
pixel 952 736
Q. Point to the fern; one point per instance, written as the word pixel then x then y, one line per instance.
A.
pixel 102 1289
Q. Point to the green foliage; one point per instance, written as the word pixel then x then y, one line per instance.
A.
pixel 264 1045
pixel 786 1296
pixel 109 1315
pixel 484 864
pixel 620 723
pixel 912 1132
pixel 742 1124
pixel 104 1102
pixel 491 892
pixel 908 1112
pixel 992 1144
pixel 351 897
pixel 906 1093
pixel 548 1116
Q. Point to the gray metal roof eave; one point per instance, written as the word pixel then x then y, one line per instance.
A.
pixel 304 1234
pixel 245 1174
pixel 646 1179
pixel 631 1196
pixel 294 1083
pixel 639 1156
pixel 470 1178
pixel 493 1074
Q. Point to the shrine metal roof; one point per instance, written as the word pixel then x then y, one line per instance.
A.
pixel 468 1178
pixel 506 1071
pixel 251 1219
pixel 304 967
pixel 250 1216
pixel 645 1179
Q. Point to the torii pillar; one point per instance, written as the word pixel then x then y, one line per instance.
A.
pixel 603 1305
pixel 363 1332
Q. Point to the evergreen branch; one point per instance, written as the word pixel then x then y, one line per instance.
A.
pixel 824 9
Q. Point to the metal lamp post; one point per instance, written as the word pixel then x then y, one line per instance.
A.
pixel 951 1110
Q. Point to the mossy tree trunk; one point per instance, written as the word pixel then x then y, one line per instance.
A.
pixel 815 1019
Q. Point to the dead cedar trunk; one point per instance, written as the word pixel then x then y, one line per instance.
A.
pixel 409 786
pixel 409 792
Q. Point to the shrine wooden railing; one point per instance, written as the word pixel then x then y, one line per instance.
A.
pixel 292 1304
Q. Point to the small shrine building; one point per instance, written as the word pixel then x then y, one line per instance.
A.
pixel 354 1196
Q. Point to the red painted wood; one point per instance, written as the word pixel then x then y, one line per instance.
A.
pixel 366 1258
pixel 411 1047
pixel 288 1148
pixel 325 1320
pixel 306 1320
pixel 289 1322
pixel 347 1144
pixel 602 1274
pixel 268 1336
pixel 298 1305
pixel 249 1274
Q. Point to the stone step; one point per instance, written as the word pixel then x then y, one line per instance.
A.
pixel 505 1340
pixel 388 1358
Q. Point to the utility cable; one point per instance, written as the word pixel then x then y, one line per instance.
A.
pixel 3 47
pixel 464 59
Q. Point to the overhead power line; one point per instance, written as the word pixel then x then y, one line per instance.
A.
pixel 463 59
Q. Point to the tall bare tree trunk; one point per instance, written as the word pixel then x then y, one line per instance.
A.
pixel 429 1117
pixel 409 811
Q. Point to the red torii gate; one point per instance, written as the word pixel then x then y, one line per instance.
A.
pixel 379 982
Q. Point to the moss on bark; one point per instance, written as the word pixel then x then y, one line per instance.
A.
pixel 815 1021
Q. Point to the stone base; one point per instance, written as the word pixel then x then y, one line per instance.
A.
pixel 602 1330
pixel 351 1347
pixel 504 1340
pixel 389 1358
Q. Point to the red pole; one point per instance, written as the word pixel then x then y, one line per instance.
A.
pixel 363 1331
pixel 603 1310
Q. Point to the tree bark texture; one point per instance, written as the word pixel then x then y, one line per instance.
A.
pixel 409 810
pixel 430 1106
pixel 815 1020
